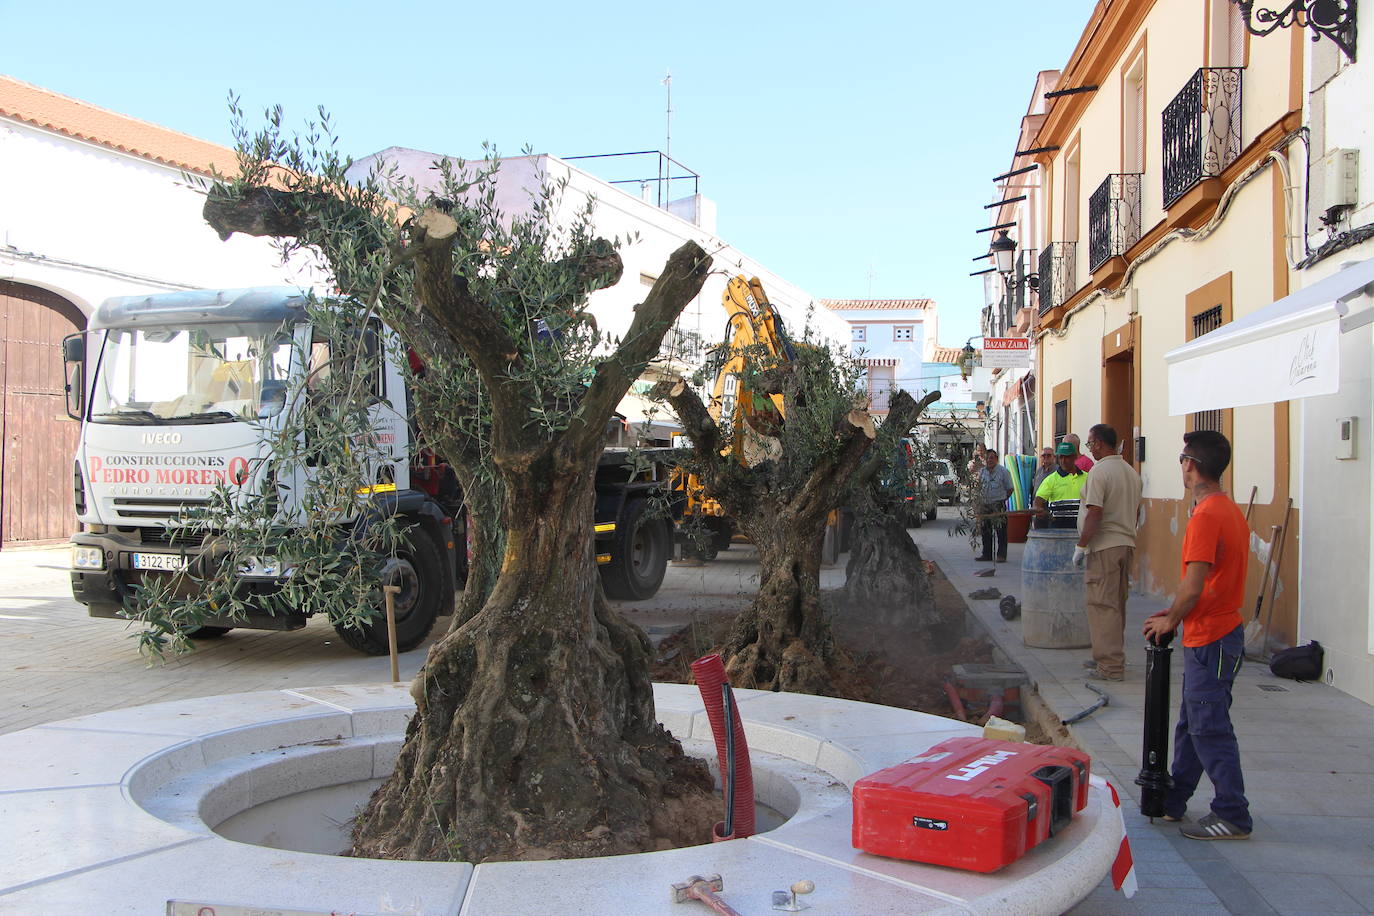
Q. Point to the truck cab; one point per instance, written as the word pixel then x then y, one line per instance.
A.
pixel 179 394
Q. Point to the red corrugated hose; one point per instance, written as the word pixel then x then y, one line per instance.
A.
pixel 736 777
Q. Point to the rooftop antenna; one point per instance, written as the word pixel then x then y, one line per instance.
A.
pixel 668 144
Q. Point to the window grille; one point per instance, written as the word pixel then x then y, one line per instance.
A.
pixel 1204 323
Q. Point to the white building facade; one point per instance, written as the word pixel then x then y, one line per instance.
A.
pixel 1009 299
pixel 889 337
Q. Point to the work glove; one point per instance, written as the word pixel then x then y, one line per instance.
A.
pixel 1080 556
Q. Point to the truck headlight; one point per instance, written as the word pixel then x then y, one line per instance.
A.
pixel 88 558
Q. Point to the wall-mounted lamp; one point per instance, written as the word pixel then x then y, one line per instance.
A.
pixel 966 358
pixel 1003 251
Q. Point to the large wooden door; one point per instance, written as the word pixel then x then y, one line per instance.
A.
pixel 37 439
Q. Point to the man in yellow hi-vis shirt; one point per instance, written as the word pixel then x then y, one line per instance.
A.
pixel 1066 483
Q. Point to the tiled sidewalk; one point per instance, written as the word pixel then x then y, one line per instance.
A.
pixel 1307 751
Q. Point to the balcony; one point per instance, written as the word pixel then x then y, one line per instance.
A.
pixel 1113 218
pixel 1201 130
pixel 1057 281
pixel 1022 283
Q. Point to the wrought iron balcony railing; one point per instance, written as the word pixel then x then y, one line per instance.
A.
pixel 1201 129
pixel 1057 282
pixel 1113 218
pixel 1021 276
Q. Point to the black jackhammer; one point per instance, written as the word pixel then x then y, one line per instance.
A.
pixel 1154 779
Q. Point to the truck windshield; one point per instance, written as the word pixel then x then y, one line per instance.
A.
pixel 214 373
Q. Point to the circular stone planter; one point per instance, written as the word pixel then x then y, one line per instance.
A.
pixel 116 813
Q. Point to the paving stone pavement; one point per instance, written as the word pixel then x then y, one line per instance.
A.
pixel 1307 753
pixel 56 662
pixel 1308 750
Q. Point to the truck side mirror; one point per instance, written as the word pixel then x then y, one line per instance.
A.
pixel 74 348
pixel 74 363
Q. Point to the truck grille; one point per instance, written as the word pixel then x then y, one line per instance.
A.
pixel 153 508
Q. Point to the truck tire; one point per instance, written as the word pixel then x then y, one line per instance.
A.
pixel 724 530
pixel 418 569
pixel 207 632
pixel 639 557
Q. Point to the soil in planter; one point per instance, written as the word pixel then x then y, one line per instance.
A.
pixel 890 669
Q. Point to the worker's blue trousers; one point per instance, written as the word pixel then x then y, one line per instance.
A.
pixel 1204 739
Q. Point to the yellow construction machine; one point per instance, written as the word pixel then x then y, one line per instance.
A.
pixel 753 332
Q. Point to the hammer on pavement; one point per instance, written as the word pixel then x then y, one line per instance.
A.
pixel 703 889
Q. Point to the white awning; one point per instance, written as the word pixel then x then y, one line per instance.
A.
pixel 1288 349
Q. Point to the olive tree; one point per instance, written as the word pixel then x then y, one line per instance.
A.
pixel 534 732
pixel 799 462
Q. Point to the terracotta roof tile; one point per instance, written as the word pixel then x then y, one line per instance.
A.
pixel 845 305
pixel 946 354
pixel 84 121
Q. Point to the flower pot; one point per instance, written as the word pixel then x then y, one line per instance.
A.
pixel 1018 525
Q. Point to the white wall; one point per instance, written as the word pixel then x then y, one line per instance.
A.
pixel 656 233
pixel 1334 596
pixel 1336 601
pixel 89 222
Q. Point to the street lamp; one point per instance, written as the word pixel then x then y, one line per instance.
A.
pixel 1003 250
pixel 966 358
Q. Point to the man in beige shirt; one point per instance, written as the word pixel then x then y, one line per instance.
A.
pixel 1106 545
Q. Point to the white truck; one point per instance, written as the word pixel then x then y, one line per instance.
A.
pixel 175 393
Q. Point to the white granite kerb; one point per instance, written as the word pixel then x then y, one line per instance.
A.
pixel 115 813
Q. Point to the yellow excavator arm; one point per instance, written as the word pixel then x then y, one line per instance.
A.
pixel 753 331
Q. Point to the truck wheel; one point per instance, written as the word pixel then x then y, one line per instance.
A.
pixel 207 632
pixel 724 530
pixel 639 557
pixel 417 568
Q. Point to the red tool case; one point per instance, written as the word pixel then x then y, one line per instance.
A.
pixel 970 803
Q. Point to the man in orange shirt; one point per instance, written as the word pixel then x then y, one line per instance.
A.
pixel 1216 546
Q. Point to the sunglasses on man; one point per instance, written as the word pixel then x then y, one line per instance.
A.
pixel 1184 456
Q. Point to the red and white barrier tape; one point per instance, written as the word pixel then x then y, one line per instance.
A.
pixel 1123 868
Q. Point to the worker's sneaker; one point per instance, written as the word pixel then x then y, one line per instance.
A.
pixel 1090 664
pixel 1097 675
pixel 1211 827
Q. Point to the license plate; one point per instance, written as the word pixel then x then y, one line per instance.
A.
pixel 169 561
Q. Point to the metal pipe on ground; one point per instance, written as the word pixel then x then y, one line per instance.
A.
pixel 1103 700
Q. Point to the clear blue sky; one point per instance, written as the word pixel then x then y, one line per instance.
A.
pixel 848 146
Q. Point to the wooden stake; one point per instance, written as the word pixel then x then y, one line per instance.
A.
pixel 1283 540
pixel 391 591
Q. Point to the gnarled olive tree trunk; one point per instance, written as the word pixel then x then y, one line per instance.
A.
pixel 534 734
pixel 887 602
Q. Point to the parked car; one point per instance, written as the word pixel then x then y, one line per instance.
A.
pixel 946 482
pixel 917 489
pixel 921 502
